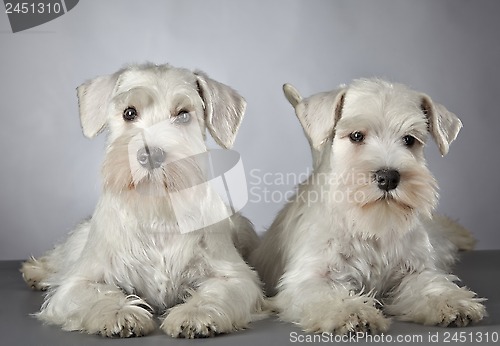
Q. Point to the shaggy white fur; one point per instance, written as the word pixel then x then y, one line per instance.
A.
pixel 160 240
pixel 360 238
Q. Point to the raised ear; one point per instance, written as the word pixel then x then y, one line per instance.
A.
pixel 224 109
pixel 93 99
pixel 292 94
pixel 443 124
pixel 318 114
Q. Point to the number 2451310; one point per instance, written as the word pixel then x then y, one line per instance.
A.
pixel 32 8
pixel 470 337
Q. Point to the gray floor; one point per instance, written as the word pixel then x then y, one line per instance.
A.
pixel 479 270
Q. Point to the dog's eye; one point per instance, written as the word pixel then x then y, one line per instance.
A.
pixel 183 117
pixel 409 141
pixel 130 114
pixel 357 137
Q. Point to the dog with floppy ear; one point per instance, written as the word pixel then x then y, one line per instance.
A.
pixel 161 240
pixel 360 241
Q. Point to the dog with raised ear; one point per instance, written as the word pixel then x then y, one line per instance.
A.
pixel 360 241
pixel 161 241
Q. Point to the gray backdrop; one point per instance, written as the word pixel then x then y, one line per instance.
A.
pixel 449 49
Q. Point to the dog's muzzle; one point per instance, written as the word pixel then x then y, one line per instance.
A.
pixel 387 179
pixel 151 157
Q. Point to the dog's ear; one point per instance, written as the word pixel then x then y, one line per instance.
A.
pixel 292 94
pixel 93 100
pixel 318 114
pixel 224 109
pixel 443 124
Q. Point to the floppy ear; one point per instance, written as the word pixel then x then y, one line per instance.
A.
pixel 93 99
pixel 317 114
pixel 224 109
pixel 443 124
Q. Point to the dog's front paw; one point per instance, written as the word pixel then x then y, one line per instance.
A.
pixel 35 272
pixel 348 316
pixel 458 309
pixel 185 321
pixel 455 307
pixel 134 318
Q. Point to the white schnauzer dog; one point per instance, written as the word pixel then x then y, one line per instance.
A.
pixel 360 235
pixel 159 241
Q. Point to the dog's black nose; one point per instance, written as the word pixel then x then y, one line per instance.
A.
pixel 387 179
pixel 151 157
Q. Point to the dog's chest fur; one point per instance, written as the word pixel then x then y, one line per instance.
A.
pixel 161 274
pixel 152 259
pixel 371 264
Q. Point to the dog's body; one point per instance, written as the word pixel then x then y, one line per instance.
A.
pixel 133 258
pixel 361 231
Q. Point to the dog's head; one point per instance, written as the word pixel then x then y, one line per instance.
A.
pixel 370 135
pixel 157 118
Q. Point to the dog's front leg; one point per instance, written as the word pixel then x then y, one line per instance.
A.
pixel 432 298
pixel 222 303
pixel 96 308
pixel 319 305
